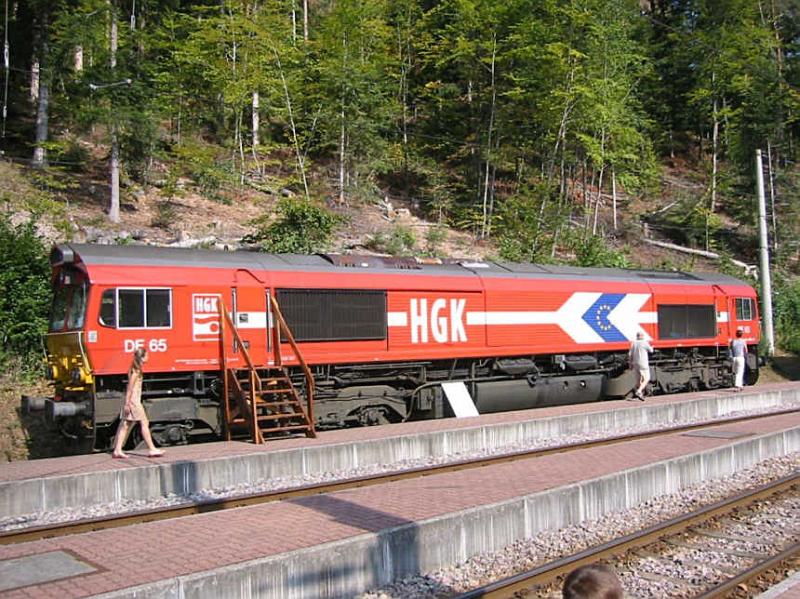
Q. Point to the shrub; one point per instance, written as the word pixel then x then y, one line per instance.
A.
pixel 25 277
pixel 401 241
pixel 786 314
pixel 302 227
pixel 434 239
pixel 593 250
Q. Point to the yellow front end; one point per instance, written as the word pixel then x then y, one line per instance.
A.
pixel 69 366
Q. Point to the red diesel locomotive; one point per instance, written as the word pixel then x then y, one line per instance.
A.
pixel 381 336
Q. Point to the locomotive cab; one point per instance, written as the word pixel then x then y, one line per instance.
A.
pixel 68 364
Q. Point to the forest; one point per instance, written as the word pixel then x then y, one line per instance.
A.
pixel 528 123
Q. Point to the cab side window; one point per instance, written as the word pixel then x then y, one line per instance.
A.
pixel 744 308
pixel 138 308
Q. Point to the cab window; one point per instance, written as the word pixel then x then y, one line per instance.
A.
pixel 77 308
pixel 745 309
pixel 67 313
pixel 136 308
pixel 58 312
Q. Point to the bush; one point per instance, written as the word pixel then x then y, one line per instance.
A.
pixel 25 277
pixel 400 242
pixel 302 227
pixel 593 250
pixel 786 314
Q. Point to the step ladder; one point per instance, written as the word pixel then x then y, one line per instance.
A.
pixel 263 399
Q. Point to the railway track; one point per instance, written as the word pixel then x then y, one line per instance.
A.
pixel 188 508
pixel 688 540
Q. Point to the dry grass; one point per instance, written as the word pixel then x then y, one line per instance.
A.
pixel 24 437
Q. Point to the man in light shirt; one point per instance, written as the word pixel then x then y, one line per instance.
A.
pixel 639 358
pixel 738 352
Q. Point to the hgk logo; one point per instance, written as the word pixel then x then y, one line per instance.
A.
pixel 445 323
pixel 205 317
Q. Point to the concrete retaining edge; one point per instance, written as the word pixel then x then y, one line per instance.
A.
pixel 32 496
pixel 345 568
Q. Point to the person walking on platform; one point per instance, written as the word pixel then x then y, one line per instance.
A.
pixel 639 358
pixel 738 353
pixel 595 581
pixel 133 410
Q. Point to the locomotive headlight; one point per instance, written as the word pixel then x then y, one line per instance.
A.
pixel 75 375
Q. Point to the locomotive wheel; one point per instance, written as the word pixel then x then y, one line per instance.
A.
pixel 373 416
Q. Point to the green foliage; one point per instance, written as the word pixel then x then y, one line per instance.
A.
pixel 434 239
pixel 68 153
pixel 25 278
pixel 690 222
pixel 302 227
pixel 593 250
pixel 199 162
pixel 401 241
pixel 165 215
pixel 485 113
pixel 786 313
pixel 31 191
pixel 527 224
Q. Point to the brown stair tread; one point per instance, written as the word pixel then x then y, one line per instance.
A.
pixel 292 416
pixel 294 427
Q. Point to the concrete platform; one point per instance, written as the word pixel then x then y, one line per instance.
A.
pixel 788 589
pixel 341 544
pixel 41 485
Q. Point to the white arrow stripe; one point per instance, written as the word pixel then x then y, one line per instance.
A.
pixel 627 318
pixel 397 319
pixel 480 318
pixel 570 317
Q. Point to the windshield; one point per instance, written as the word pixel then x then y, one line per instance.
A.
pixel 69 303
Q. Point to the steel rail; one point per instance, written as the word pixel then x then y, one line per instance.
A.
pixel 61 529
pixel 723 589
pixel 546 573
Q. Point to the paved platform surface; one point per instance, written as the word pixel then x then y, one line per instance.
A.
pixel 102 462
pixel 148 553
pixel 788 589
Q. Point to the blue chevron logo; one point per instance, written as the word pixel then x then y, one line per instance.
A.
pixel 597 317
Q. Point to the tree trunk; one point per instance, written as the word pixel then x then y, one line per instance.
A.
pixel 614 194
pixel 294 21
pixel 488 166
pixel 39 79
pixel 305 20
pixel 772 198
pixel 295 141
pixel 77 59
pixel 341 157
pixel 42 114
pixel 113 209
pixel 256 123
pixel 113 36
pixel 35 76
pixel 715 149
pixel 7 68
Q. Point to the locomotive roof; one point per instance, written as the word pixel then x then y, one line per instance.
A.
pixel 144 255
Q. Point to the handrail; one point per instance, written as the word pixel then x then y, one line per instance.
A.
pixel 278 361
pixel 255 381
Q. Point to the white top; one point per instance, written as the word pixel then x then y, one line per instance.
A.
pixel 639 354
pixel 738 348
